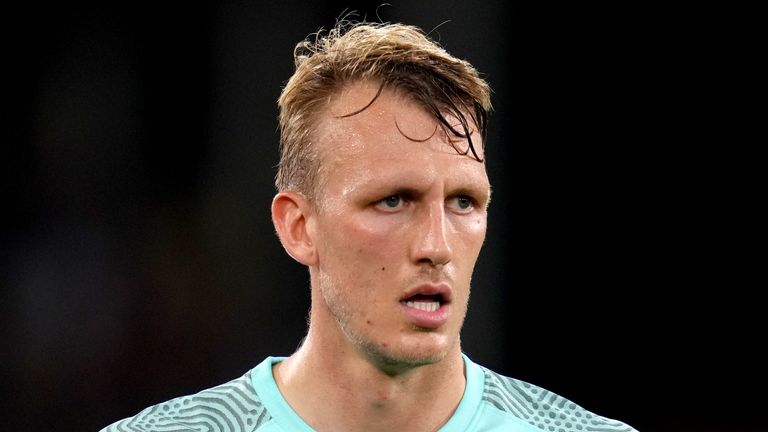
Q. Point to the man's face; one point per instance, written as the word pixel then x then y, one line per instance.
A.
pixel 399 222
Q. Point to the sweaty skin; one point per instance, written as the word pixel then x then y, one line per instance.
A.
pixel 398 212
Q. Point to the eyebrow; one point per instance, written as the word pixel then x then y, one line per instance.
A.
pixel 403 190
pixel 475 190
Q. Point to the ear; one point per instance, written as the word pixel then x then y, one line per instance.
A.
pixel 291 214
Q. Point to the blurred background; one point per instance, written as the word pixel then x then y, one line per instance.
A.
pixel 139 263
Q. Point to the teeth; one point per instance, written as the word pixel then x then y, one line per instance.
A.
pixel 422 305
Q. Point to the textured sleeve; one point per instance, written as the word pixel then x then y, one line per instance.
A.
pixel 543 409
pixel 230 407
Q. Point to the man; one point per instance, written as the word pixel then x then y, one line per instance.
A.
pixel 382 194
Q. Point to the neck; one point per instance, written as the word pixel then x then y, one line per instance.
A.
pixel 354 394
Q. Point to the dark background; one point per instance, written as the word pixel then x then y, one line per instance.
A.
pixel 139 262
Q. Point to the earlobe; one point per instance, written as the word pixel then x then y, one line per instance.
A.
pixel 291 215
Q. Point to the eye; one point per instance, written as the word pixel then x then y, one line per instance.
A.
pixel 461 203
pixel 392 202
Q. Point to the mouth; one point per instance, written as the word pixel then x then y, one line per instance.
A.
pixel 424 302
pixel 427 306
pixel 429 293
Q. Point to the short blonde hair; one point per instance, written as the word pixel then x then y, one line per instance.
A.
pixel 394 55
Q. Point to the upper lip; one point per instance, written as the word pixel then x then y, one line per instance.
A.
pixel 442 289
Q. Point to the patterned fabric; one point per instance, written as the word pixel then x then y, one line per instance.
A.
pixel 252 403
pixel 542 408
pixel 230 407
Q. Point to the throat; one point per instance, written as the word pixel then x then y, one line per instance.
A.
pixel 354 394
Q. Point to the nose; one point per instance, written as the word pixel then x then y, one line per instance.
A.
pixel 431 245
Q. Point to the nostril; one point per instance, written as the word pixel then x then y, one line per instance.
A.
pixel 434 261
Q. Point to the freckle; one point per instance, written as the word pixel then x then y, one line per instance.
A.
pixel 367 321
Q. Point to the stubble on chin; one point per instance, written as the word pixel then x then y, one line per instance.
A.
pixel 390 360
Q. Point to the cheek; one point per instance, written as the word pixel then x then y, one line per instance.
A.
pixel 471 234
pixel 361 261
pixel 360 245
pixel 478 226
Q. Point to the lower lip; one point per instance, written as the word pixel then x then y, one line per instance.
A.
pixel 426 319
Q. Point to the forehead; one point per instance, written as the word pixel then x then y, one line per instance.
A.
pixel 362 115
pixel 393 144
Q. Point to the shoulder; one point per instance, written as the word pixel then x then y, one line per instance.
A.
pixel 541 408
pixel 230 407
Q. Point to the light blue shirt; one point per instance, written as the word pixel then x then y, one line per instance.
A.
pixel 253 402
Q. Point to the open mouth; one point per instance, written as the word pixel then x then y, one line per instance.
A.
pixel 425 302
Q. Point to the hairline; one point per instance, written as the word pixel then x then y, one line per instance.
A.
pixel 319 148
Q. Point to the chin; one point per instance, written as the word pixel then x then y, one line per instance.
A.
pixel 395 361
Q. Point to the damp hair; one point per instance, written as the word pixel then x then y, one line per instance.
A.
pixel 396 56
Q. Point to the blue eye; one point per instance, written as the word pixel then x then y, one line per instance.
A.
pixel 461 203
pixel 392 201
